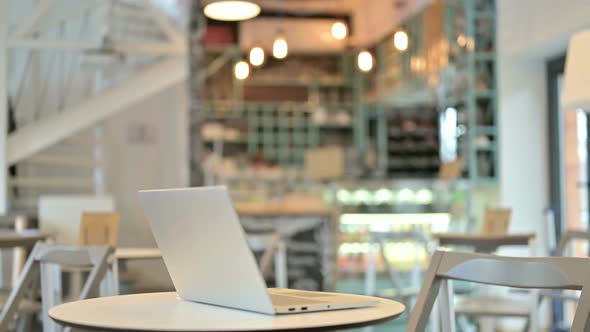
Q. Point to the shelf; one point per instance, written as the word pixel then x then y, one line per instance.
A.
pixel 334 126
pixel 486 130
pixel 485 15
pixel 297 82
pixel 484 94
pixel 225 141
pixel 454 101
pixel 396 132
pixel 492 181
pixel 485 56
pixel 491 147
pixel 417 150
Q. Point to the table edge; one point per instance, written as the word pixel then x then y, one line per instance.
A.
pixel 313 329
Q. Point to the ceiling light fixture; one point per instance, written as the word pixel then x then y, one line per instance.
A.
pixel 401 40
pixel 339 30
pixel 241 70
pixel 365 61
pixel 256 56
pixel 280 48
pixel 231 10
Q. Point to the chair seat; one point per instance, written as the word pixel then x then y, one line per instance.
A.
pixel 492 306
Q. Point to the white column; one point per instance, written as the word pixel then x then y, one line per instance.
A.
pixel 3 102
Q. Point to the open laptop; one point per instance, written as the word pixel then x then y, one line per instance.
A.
pixel 208 258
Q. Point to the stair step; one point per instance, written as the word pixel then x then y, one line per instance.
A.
pixel 52 182
pixel 24 203
pixel 86 142
pixel 65 161
pixel 64 149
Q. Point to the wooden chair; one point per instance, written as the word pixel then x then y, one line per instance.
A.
pixel 496 221
pixel 99 228
pixel 45 257
pixel 530 273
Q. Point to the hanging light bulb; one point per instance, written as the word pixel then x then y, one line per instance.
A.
pixel 339 30
pixel 241 70
pixel 365 61
pixel 401 40
pixel 231 10
pixel 280 47
pixel 256 56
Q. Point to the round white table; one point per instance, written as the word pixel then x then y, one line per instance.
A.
pixel 167 312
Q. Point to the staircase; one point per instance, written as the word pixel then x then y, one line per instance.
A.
pixel 72 66
pixel 68 167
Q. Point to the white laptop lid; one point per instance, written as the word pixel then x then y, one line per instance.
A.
pixel 205 248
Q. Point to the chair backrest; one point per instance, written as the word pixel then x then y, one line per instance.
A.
pixel 94 259
pixel 99 228
pixel 451 170
pixel 496 221
pixel 540 273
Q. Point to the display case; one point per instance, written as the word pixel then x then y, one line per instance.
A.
pixel 423 206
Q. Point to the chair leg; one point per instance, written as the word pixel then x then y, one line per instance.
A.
pixel 371 269
pixel 25 322
pixel 110 284
pixel 435 317
pixel 487 324
pixel 281 275
pixel 465 325
pixel 393 275
pixel 447 312
pixel 51 294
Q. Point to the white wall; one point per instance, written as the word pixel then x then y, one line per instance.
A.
pixel 156 159
pixel 530 32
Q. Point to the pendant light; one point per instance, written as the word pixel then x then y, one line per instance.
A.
pixel 242 70
pixel 401 40
pixel 280 48
pixel 365 61
pixel 339 30
pixel 231 10
pixel 256 56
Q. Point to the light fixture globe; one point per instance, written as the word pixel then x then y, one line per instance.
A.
pixel 401 40
pixel 231 10
pixel 242 70
pixel 280 48
pixel 365 61
pixel 339 30
pixel 256 56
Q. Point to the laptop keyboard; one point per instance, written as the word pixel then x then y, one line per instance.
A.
pixel 285 300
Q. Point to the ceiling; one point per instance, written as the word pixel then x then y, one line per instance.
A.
pixel 337 7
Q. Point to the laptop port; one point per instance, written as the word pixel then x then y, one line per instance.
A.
pixel 291 309
pixel 303 308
